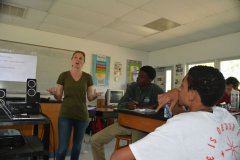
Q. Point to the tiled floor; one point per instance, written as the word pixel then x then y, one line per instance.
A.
pixel 86 153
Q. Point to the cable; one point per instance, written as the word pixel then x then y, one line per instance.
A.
pixel 54 156
pixel 53 138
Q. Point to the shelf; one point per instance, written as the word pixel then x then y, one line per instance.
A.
pixel 33 147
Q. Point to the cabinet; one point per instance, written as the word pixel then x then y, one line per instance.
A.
pixel 52 111
pixel 36 143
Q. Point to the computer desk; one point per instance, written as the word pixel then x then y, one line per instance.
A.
pixel 147 122
pixel 34 146
pixel 142 122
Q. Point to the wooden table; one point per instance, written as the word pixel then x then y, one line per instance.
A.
pixel 142 122
pixel 106 113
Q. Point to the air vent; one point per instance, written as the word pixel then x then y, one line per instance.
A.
pixel 12 10
pixel 162 24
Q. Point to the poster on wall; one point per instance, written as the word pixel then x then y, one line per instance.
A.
pixel 133 68
pixel 117 70
pixel 160 81
pixel 160 77
pixel 179 74
pixel 100 70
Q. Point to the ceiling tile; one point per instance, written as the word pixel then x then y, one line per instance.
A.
pixel 35 15
pixel 112 36
pixel 150 43
pixel 132 28
pixel 62 30
pixel 6 19
pixel 139 17
pixel 171 9
pixel 134 3
pixel 162 24
pixel 215 22
pixel 80 14
pixel 218 6
pixel 69 24
pixel 111 8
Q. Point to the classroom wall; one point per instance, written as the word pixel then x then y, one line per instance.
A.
pixel 215 48
pixel 117 54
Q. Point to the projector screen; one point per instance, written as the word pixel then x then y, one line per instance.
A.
pixel 17 67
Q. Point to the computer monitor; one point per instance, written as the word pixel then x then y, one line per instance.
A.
pixel 112 96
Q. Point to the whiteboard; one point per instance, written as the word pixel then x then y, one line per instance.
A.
pixel 50 63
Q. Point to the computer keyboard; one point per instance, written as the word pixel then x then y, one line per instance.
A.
pixel 27 117
pixel 23 107
pixel 21 116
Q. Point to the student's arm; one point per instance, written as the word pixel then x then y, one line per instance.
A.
pixel 127 100
pixel 123 154
pixel 169 97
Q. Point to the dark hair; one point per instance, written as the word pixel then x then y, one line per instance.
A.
pixel 150 71
pixel 77 51
pixel 232 81
pixel 208 82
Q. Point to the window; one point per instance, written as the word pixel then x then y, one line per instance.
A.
pixel 168 80
pixel 203 64
pixel 164 77
pixel 230 68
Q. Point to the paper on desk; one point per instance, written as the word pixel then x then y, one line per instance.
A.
pixel 91 107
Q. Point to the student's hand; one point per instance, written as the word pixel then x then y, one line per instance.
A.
pixel 171 97
pixel 152 106
pixel 132 105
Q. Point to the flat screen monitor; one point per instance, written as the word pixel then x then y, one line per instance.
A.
pixel 113 96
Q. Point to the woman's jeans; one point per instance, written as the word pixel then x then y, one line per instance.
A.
pixel 65 126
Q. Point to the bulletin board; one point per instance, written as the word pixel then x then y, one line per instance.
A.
pixel 179 74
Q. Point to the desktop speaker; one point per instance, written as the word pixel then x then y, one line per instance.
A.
pixel 2 100
pixel 2 95
pixel 31 91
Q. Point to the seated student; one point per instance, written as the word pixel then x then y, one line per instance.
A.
pixel 206 132
pixel 231 83
pixel 140 94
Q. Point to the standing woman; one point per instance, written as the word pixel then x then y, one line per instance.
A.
pixel 76 85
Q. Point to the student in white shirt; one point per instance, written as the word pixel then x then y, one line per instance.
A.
pixel 206 132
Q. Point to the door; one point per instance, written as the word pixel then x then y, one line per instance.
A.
pixel 164 77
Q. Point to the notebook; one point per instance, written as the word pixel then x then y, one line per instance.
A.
pixel 23 116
